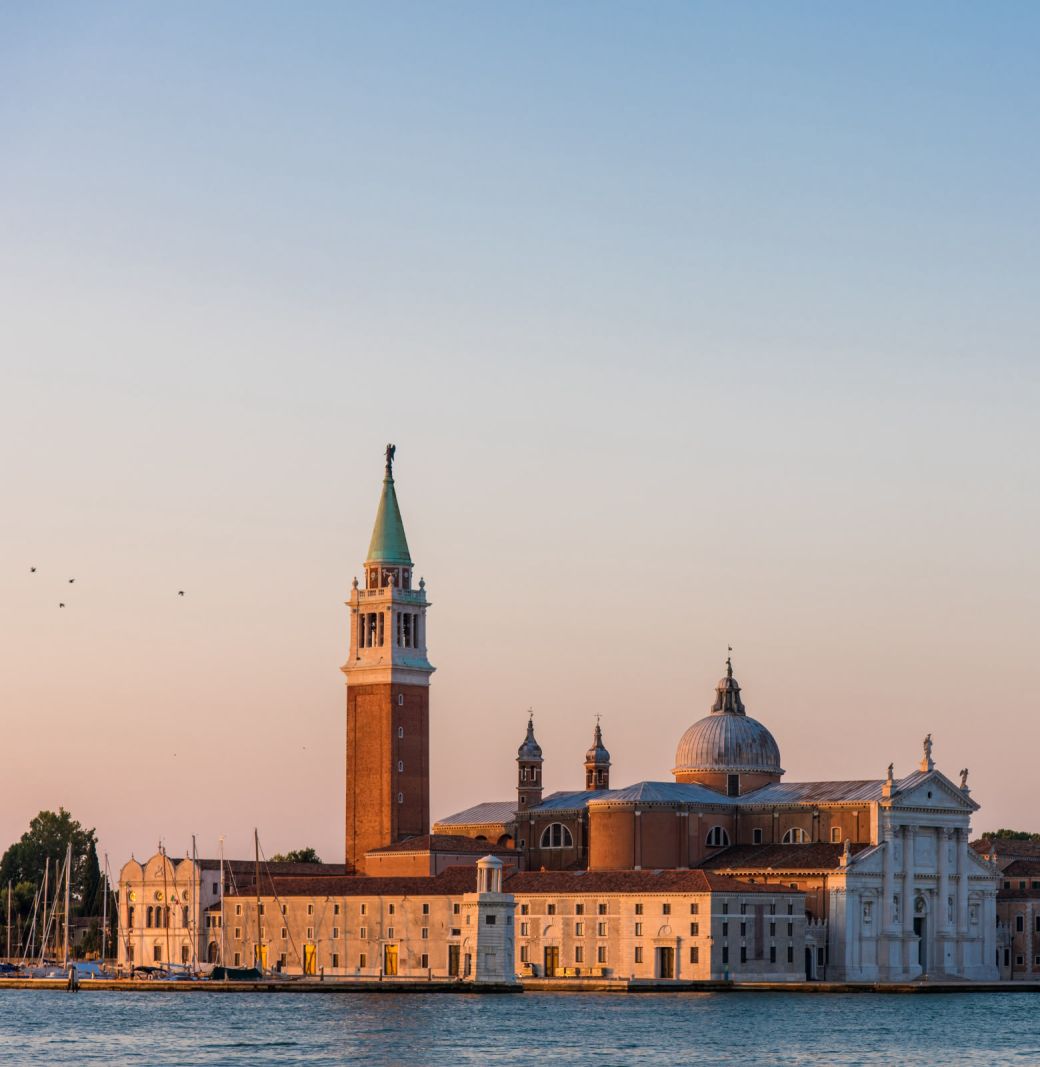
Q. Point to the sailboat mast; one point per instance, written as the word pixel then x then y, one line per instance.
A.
pixel 68 901
pixel 223 962
pixel 9 922
pixel 259 937
pixel 44 931
pixel 194 929
pixel 104 912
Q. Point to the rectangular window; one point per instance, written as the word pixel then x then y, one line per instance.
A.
pixel 772 908
pixel 579 909
pixel 772 953
pixel 283 909
pixel 835 834
pixel 601 908
pixel 310 933
pixel 756 836
pixel 550 909
pixel 602 929
pixel 579 929
pixel 490 920
pixel 743 929
pixel 725 953
pixel 790 953
pixel 261 909
pixel 743 954
pixel 601 954
pixel 310 909
pixel 695 954
pixel 363 959
pixel 772 929
pixel 157 954
pixel 390 909
pixel 238 933
pixel 363 933
pixel 725 907
pixel 390 932
pixel 695 929
pixel 426 909
pixel 639 909
pixel 790 909
pixel 364 909
pixel 456 908
pixel 725 929
pixel 238 909
pixel 523 909
pixel 238 959
pixel 335 909
pixel 335 933
pixel 425 935
pixel 1020 923
pixel 335 960
pixel 666 909
pixel 639 929
pixel 790 929
pixel 639 954
pixel 579 954
pixel 1018 961
pixel 424 961
pixel 523 953
pixel 282 960
pixel 743 908
pixel 524 927
pixel 695 908
pixel 285 933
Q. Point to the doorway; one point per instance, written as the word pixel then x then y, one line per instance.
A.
pixel 310 959
pixel 810 970
pixel 260 957
pixel 453 961
pixel 390 961
pixel 665 962
pixel 552 960
pixel 920 929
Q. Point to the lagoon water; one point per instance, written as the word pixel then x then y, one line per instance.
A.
pixel 56 1028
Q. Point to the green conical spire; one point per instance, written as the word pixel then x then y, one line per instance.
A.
pixel 389 544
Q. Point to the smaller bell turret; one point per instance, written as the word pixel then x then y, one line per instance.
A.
pixel 597 763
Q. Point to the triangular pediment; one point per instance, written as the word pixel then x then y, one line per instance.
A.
pixel 931 789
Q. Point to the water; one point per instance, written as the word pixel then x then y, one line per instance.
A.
pixel 607 1030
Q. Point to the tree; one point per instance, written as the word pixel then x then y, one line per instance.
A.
pixel 297 855
pixel 1012 835
pixel 47 838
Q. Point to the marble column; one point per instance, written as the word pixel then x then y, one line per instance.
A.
pixel 908 899
pixel 942 907
pixel 962 895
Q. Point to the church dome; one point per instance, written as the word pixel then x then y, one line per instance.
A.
pixel 728 739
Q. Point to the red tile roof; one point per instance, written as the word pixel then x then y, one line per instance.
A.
pixel 648 881
pixel 441 843
pixel 450 882
pixel 820 855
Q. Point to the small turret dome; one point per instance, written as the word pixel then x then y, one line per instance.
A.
pixel 728 739
pixel 598 755
pixel 530 749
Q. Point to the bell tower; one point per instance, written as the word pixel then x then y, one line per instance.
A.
pixel 529 770
pixel 597 763
pixel 388 692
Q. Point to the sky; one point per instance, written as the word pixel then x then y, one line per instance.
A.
pixel 695 325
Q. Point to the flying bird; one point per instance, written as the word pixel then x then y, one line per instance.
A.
pixel 71 580
pixel 61 605
pixel 180 592
pixel 32 570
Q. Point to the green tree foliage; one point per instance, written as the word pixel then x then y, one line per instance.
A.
pixel 1012 835
pixel 297 855
pixel 48 837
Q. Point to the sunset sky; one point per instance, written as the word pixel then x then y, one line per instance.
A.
pixel 694 325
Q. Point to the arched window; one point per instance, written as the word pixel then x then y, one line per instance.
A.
pixel 186 913
pixel 400 766
pixel 400 731
pixel 717 837
pixel 148 916
pixel 795 836
pixel 130 916
pixel 556 835
pixel 756 836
